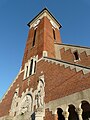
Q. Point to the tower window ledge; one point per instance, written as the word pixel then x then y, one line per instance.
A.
pixel 29 76
pixel 26 78
pixel 32 74
pixel 77 60
pixel 55 41
pixel 33 47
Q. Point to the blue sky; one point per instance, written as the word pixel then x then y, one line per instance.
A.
pixel 74 15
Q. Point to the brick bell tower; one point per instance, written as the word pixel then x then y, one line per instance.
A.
pixel 43 33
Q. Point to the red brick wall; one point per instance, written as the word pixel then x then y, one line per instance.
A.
pixel 68 56
pixel 84 59
pixel 58 36
pixel 48 38
pixel 59 82
pixel 48 115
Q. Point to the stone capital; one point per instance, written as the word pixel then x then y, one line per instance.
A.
pixel 79 111
pixel 65 114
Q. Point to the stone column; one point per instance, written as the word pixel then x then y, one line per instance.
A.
pixel 66 115
pixel 39 114
pixel 79 112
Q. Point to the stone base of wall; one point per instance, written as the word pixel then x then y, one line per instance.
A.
pixel 19 117
pixel 6 118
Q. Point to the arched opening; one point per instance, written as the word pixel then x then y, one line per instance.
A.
pixel 59 112
pixel 86 110
pixel 72 113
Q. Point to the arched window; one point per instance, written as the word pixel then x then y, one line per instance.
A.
pixel 59 113
pixel 72 113
pixel 86 110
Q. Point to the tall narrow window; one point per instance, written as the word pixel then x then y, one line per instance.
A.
pixel 34 38
pixel 31 67
pixel 54 34
pixel 76 56
pixel 35 67
pixel 26 72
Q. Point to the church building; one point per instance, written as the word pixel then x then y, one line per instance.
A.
pixel 54 79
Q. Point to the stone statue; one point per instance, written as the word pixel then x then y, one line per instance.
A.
pixel 26 104
pixel 40 96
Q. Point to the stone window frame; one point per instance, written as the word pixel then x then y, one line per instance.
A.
pixel 28 65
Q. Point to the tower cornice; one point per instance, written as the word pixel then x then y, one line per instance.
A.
pixel 44 13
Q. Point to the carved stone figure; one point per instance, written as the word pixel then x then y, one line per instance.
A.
pixel 14 103
pixel 40 95
pixel 26 105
